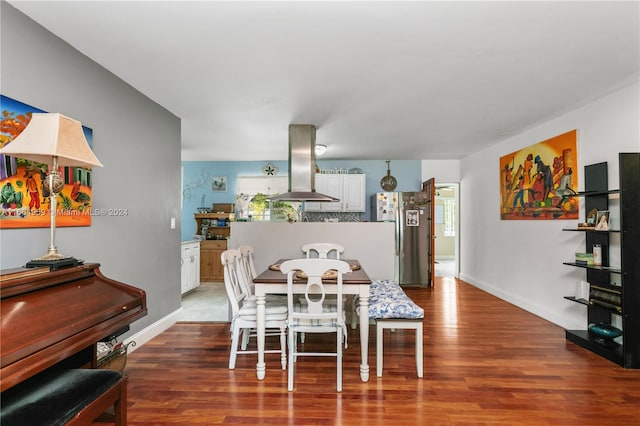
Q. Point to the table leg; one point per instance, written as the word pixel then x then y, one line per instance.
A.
pixel 260 330
pixel 364 336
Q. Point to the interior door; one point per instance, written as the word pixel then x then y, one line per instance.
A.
pixel 429 187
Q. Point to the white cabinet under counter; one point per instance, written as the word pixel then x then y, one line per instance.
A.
pixel 350 189
pixel 189 265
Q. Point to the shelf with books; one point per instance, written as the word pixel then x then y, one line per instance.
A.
pixel 613 291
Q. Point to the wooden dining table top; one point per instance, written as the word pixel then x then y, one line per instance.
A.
pixel 357 276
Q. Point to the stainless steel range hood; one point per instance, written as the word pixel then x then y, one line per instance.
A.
pixel 302 166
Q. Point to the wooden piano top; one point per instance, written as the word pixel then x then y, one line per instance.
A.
pixel 50 316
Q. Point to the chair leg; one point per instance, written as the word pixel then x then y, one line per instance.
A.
pixel 419 350
pixel 120 405
pixel 339 359
pixel 354 315
pixel 292 355
pixel 234 348
pixel 245 338
pixel 283 347
pixel 379 352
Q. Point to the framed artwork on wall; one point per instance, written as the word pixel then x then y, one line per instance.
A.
pixel 219 184
pixel 539 182
pixel 24 201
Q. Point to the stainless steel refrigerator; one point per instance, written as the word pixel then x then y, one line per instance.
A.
pixel 409 212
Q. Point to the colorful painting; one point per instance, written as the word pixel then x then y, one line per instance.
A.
pixel 24 202
pixel 538 182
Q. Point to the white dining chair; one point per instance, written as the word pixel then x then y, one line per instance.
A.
pixel 244 312
pixel 316 315
pixel 323 250
pixel 249 273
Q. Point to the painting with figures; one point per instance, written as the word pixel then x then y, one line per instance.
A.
pixel 539 182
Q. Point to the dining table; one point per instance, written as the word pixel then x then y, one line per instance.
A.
pixel 273 281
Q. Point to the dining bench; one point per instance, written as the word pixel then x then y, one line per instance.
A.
pixel 391 308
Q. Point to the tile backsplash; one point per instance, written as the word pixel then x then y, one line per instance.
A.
pixel 333 216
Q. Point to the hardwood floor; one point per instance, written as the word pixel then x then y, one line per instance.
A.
pixel 486 362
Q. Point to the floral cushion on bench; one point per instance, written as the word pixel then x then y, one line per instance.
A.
pixel 387 300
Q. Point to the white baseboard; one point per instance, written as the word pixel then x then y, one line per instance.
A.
pixel 563 321
pixel 148 333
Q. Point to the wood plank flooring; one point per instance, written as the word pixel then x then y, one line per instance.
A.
pixel 486 362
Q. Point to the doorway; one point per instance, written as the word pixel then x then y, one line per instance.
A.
pixel 446 232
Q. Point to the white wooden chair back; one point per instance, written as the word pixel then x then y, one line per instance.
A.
pixel 248 268
pixel 316 307
pixel 236 292
pixel 247 258
pixel 323 250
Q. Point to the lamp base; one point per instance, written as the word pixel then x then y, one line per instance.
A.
pixel 54 264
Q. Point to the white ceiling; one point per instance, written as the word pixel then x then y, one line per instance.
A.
pixel 380 80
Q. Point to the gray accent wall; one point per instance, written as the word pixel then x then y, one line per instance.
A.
pixel 137 141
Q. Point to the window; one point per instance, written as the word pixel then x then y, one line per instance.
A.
pixel 252 199
pixel 449 217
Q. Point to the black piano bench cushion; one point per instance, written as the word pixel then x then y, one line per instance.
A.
pixel 54 397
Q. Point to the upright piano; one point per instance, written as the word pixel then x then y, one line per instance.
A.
pixel 54 319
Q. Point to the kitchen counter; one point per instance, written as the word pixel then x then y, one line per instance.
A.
pixel 372 243
pixel 190 241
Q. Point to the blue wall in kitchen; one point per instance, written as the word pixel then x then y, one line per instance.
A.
pixel 197 177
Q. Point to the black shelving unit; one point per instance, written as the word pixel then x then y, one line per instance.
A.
pixel 596 194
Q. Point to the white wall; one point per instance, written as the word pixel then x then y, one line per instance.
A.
pixel 521 261
pixel 444 171
pixel 137 141
pixel 371 243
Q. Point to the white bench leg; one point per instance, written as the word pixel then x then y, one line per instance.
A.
pixel 393 324
pixel 419 350
pixel 379 352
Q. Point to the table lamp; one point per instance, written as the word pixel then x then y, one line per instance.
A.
pixel 55 140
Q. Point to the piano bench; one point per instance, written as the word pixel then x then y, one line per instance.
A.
pixel 65 397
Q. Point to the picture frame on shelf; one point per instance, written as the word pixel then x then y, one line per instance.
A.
pixel 602 220
pixel 591 218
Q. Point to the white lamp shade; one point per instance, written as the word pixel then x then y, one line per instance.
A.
pixel 53 134
pixel 320 149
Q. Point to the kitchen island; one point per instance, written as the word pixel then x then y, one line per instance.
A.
pixel 372 243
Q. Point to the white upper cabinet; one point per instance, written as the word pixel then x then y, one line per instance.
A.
pixel 354 195
pixel 330 185
pixel 350 189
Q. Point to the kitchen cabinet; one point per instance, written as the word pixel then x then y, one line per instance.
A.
pixel 355 193
pixel 614 293
pixel 210 265
pixel 350 189
pixel 189 266
pixel 215 228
